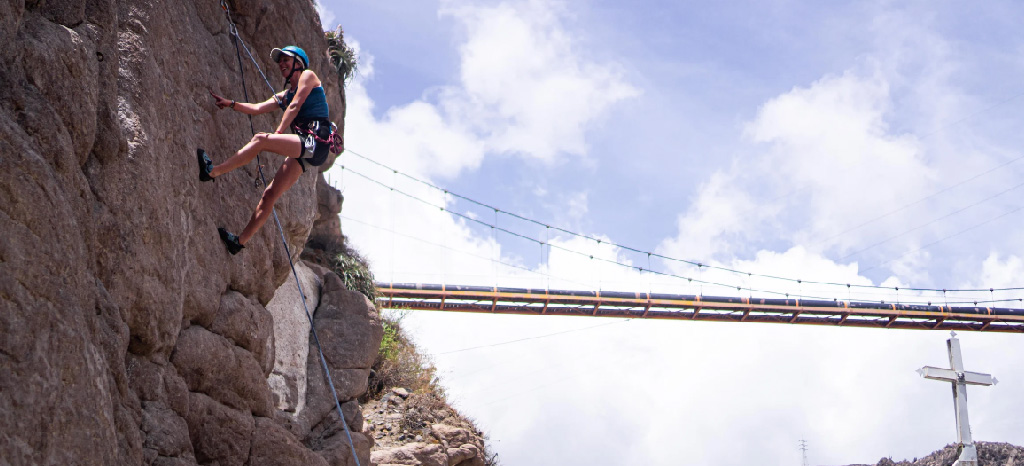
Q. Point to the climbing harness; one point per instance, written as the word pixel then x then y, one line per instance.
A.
pixel 335 143
pixel 287 251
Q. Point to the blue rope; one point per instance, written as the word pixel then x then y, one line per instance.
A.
pixel 284 241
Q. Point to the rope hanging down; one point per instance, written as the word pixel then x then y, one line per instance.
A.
pixel 287 251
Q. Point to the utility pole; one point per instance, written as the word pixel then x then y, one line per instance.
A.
pixel 803 449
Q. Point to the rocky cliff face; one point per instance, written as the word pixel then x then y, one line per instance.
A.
pixel 128 335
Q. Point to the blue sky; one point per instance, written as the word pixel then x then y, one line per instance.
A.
pixel 865 142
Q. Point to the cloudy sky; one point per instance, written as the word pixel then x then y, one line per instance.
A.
pixel 873 142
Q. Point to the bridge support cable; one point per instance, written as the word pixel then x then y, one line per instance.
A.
pixel 706 274
pixel 692 263
pixel 523 301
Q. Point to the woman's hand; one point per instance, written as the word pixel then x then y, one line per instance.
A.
pixel 222 102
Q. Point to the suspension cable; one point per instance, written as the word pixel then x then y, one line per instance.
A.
pixel 693 263
pixel 700 280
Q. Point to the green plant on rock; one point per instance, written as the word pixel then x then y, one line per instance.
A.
pixel 389 344
pixel 355 273
pixel 400 364
pixel 345 262
pixel 343 57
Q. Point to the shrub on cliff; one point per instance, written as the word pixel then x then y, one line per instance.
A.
pixel 355 273
pixel 400 364
pixel 347 263
pixel 342 56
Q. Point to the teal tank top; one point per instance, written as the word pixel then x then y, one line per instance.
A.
pixel 313 108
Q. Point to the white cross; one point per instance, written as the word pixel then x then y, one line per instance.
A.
pixel 959 379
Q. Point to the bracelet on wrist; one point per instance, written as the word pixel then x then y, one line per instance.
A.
pixel 232 105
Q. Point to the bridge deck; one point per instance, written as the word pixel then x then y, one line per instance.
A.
pixel 454 298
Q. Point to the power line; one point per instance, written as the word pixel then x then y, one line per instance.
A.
pixel 907 206
pixel 538 337
pixel 948 237
pixel 478 256
pixel 590 256
pixel 932 222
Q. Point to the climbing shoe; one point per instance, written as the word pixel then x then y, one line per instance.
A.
pixel 205 166
pixel 231 241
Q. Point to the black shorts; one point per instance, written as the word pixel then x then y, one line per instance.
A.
pixel 314 137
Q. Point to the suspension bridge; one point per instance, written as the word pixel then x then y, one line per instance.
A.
pixel 942 309
pixel 522 301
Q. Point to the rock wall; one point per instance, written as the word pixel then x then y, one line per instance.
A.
pixel 128 335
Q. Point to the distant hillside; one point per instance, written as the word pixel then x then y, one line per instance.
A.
pixel 989 454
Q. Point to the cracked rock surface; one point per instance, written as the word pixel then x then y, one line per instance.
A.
pixel 128 335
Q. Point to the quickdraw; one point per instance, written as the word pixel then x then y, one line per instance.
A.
pixel 335 142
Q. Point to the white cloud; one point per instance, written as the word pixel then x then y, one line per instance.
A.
pixel 711 224
pixel 1001 273
pixel 526 84
pixel 524 90
pixel 822 157
pixel 832 140
pixel 326 16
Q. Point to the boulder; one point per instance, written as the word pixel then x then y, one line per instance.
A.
pixel 465 455
pixel 349 327
pixel 325 234
pixel 220 435
pixel 329 440
pixel 350 332
pixel 337 451
pixel 166 433
pixel 247 324
pixel 156 382
pixel 273 445
pixel 416 453
pixel 453 435
pixel 291 338
pixel 210 364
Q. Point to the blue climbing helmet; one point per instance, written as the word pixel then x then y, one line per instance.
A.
pixel 292 51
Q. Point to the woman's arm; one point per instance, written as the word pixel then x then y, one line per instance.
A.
pixel 307 81
pixel 249 109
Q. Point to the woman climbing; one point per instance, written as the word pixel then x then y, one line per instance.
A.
pixel 305 113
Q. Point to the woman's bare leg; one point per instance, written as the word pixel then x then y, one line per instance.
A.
pixel 286 176
pixel 287 145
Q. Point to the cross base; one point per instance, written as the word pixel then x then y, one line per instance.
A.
pixel 968 456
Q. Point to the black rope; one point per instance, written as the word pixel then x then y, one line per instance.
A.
pixel 245 94
pixel 280 229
